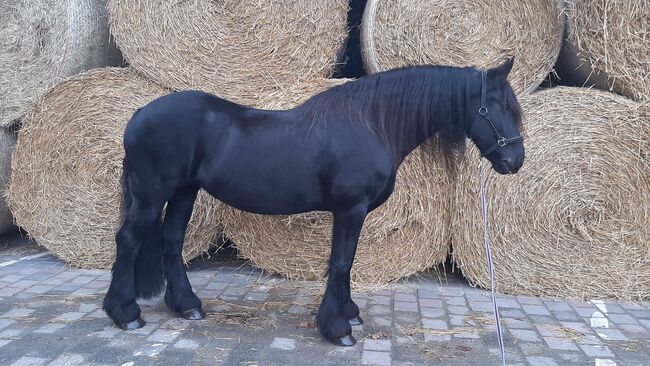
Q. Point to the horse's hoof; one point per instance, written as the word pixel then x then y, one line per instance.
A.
pixel 193 314
pixel 132 325
pixel 346 341
pixel 356 321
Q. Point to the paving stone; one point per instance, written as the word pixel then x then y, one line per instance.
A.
pixel 403 296
pixel 512 313
pixel 535 309
pixel 68 359
pixel 377 345
pixel 376 358
pixel 436 338
pixel 524 335
pixel 632 328
pixel 150 350
pixel 457 301
pixel 432 303
pixel 485 307
pixel 406 306
pixel 186 344
pixel 517 323
pixel 611 334
pixel 432 313
pixel 621 319
pixel 50 328
pixel 560 344
pixel 30 361
pixel 558 306
pixel 566 316
pixel 596 351
pixel 381 300
pixel 458 310
pixel 528 300
pixel 5 323
pixel 428 294
pixel 17 313
pixel 68 317
pixel 541 361
pixel 460 321
pixel 285 344
pixel 379 310
pixel 164 335
pixel 437 324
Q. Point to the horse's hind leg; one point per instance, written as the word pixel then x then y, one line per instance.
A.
pixel 140 221
pixel 335 310
pixel 179 296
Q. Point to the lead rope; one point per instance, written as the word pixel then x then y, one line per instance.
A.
pixel 488 254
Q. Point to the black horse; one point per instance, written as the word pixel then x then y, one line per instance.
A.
pixel 339 151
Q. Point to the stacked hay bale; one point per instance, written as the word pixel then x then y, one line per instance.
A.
pixel 65 188
pixel 397 33
pixel 574 221
pixel 41 43
pixel 607 46
pixel 236 49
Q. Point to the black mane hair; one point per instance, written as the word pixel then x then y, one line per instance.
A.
pixel 402 105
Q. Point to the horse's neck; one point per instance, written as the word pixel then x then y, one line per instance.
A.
pixel 412 128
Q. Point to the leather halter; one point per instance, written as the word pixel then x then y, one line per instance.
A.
pixel 483 112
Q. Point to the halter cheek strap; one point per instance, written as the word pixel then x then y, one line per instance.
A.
pixel 483 112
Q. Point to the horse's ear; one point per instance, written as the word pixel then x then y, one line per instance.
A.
pixel 502 70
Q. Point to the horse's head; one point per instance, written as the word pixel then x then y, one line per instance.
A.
pixel 495 127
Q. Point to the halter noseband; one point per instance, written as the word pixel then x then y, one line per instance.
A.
pixel 483 111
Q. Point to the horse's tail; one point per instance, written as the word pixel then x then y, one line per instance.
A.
pixel 149 280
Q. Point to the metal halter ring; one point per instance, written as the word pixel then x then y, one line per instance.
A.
pixel 502 141
pixel 482 111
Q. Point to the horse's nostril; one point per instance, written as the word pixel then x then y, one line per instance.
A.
pixel 520 161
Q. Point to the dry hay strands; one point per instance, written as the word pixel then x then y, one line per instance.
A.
pixel 608 45
pixel 7 144
pixel 575 221
pixel 396 33
pixel 407 234
pixel 65 187
pixel 237 49
pixel 42 42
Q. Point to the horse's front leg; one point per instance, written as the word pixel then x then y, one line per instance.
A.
pixel 334 312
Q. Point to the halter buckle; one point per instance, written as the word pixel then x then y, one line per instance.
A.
pixel 502 141
pixel 482 111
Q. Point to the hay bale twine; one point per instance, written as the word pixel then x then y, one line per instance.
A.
pixel 42 42
pixel 575 221
pixel 396 33
pixel 608 45
pixel 7 144
pixel 237 49
pixel 409 233
pixel 65 186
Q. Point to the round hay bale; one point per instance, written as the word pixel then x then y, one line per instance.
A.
pixel 396 33
pixel 609 41
pixel 575 221
pixel 237 49
pixel 7 144
pixel 65 187
pixel 42 42
pixel 409 233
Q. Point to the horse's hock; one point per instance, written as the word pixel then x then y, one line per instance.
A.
pixel 237 49
pixel 397 33
pixel 65 187
pixel 409 233
pixel 573 222
pixel 608 45
pixel 42 42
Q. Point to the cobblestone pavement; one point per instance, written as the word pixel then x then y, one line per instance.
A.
pixel 50 315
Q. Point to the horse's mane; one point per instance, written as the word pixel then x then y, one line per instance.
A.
pixel 399 105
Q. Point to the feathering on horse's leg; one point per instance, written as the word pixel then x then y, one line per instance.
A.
pixel 179 296
pixel 140 221
pixel 331 320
